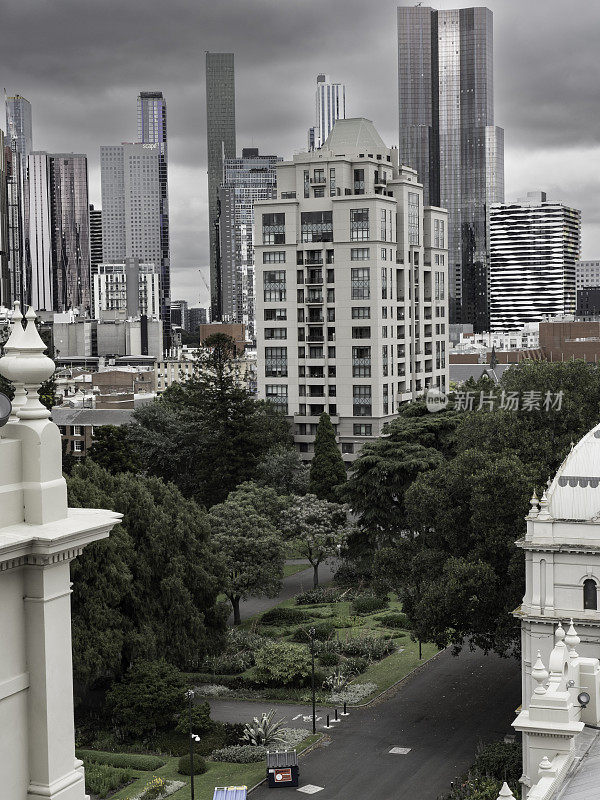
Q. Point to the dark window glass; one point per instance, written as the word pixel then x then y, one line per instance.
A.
pixel 590 594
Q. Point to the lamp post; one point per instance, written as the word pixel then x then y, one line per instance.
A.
pixel 190 697
pixel 311 633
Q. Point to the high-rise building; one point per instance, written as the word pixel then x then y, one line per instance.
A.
pixel 59 232
pixel 126 287
pixel 534 249
pixel 351 277
pixel 95 236
pixel 447 133
pixel 245 180
pixel 587 273
pixel 180 314
pixel 131 203
pixel 5 166
pixel 152 129
pixel 220 141
pixel 330 105
pixel 198 316
pixel 19 139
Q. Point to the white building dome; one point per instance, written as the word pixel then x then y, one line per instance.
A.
pixel 574 494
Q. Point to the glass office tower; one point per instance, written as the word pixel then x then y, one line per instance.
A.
pixel 220 141
pixel 152 129
pixel 447 133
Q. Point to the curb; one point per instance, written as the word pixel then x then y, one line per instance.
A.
pixel 309 749
pixel 399 682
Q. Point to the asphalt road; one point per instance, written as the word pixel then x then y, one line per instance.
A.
pixel 441 714
pixel 294 584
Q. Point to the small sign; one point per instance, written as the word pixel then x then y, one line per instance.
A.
pixel 283 775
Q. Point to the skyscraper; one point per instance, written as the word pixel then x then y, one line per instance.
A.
pixel 59 231
pixel 245 180
pixel 220 141
pixel 95 236
pixel 19 139
pixel 534 249
pixel 152 129
pixel 330 105
pixel 5 165
pixel 447 133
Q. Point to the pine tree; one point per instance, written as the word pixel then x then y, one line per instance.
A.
pixel 327 470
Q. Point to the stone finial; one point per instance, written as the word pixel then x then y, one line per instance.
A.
pixel 545 765
pixel 534 503
pixel 12 350
pixel 540 674
pixel 559 633
pixel 505 793
pixel 572 640
pixel 544 505
pixel 30 368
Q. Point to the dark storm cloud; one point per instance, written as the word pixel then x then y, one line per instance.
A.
pixel 82 64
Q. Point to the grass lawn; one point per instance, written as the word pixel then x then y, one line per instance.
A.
pixel 292 569
pixel 218 774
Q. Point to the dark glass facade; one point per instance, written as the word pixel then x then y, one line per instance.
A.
pixel 447 133
pixel 220 139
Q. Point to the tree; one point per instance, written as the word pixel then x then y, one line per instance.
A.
pixel 318 529
pixel 208 434
pixel 250 549
pixel 150 590
pixel 282 470
pixel 327 470
pixel 112 450
pixel 148 698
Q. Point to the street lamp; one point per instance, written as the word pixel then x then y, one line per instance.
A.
pixel 190 698
pixel 311 634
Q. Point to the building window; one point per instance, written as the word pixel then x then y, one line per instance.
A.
pixel 275 333
pixel 278 395
pixel 315 351
pixel 361 312
pixel 359 224
pixel 363 430
pixel 361 362
pixel 78 447
pixel 361 333
pixel 413 218
pixel 306 183
pixel 273 226
pixel 359 254
pixel 275 314
pixel 359 181
pixel 274 285
pixel 316 226
pixel 383 226
pixel 384 284
pixel 347 447
pixel 275 257
pixel 77 430
pixel 332 190
pixel 440 288
pixel 319 191
pixel 360 283
pixel 276 362
pixel 439 234
pixel 361 400
pixel 590 594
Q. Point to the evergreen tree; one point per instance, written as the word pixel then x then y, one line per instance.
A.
pixel 112 450
pixel 327 470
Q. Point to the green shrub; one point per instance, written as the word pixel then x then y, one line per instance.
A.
pixel 284 616
pixel 228 663
pixel 501 761
pixel 476 788
pixel 282 663
pixel 343 622
pixel 368 603
pixel 329 658
pixel 367 645
pixel 322 632
pixel 240 754
pixel 148 697
pixel 124 760
pixel 156 788
pixel 101 779
pixel 200 722
pixel 356 665
pixel 322 594
pixel 234 732
pixel 184 766
pixel 395 619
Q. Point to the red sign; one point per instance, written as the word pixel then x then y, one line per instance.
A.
pixel 283 775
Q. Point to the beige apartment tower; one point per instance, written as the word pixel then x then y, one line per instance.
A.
pixel 351 288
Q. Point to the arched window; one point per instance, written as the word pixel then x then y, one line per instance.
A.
pixel 590 594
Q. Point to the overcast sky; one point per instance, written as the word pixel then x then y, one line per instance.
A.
pixel 81 63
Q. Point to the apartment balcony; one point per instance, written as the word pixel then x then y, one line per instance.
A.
pixel 315 337
pixel 310 418
pixel 314 278
pixel 316 319
pixel 318 180
pixel 427 298
pixel 380 181
pixel 288 195
pixel 314 299
pixel 313 262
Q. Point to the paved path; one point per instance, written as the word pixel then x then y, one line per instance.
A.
pixel 441 713
pixel 292 585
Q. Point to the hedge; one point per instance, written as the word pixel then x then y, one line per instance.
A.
pixel 124 760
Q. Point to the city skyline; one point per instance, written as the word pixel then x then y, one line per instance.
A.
pixel 548 114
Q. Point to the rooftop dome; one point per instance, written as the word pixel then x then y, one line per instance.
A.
pixel 356 133
pixel 575 490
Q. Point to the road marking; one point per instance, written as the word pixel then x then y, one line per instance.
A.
pixel 308 717
pixel 296 717
pixel 310 789
pixel 400 751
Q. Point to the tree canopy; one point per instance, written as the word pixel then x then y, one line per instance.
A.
pixel 112 450
pixel 327 470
